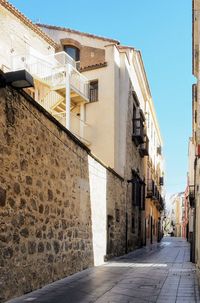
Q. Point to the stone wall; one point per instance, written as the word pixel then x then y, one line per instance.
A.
pixel 48 181
pixel 45 216
pixel 135 236
pixel 116 215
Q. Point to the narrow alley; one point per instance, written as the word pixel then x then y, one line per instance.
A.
pixel 160 274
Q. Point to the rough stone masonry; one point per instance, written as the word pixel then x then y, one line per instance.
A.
pixel 45 227
pixel 49 198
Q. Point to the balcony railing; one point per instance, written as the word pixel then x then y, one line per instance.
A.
pixel 144 147
pixel 154 193
pixel 62 58
pixel 150 189
pixel 192 195
pixel 79 83
pixel 161 203
pixel 138 127
pixel 53 70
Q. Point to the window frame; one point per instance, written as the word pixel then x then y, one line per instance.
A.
pixel 94 92
pixel 77 51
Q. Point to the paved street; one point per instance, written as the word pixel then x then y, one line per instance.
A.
pixel 161 274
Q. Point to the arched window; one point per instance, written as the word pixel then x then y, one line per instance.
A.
pixel 72 51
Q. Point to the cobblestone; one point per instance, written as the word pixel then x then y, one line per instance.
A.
pixel 161 273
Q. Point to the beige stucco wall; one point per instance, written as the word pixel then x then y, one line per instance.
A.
pixel 18 39
pixel 100 114
pixel 57 35
pixel 106 119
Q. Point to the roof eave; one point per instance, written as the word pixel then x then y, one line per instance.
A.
pixel 7 5
pixel 53 27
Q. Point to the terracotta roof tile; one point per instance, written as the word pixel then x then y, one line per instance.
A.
pixel 94 66
pixel 27 22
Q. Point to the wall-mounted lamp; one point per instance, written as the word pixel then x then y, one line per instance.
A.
pixel 17 79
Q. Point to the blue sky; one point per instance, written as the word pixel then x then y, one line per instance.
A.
pixel 162 31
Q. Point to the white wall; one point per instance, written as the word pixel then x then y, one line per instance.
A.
pixel 57 35
pixel 100 114
pixel 124 90
pixel 18 39
pixel 98 183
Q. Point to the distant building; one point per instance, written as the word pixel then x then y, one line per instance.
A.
pixel 177 213
pixel 185 215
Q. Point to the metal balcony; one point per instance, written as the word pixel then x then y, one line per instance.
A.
pixel 150 189
pixel 144 147
pixel 138 127
pixel 192 195
pixel 54 71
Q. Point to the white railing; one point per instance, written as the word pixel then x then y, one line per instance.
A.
pixel 53 70
pixel 50 100
pixel 61 58
pixel 79 83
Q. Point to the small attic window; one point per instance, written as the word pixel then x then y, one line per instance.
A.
pixel 72 51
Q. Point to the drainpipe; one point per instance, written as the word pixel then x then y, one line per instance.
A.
pixel 126 218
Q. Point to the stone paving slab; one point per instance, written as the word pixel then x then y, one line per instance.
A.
pixel 157 274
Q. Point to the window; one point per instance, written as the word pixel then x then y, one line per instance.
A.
pixel 73 52
pixel 138 125
pixel 94 87
pixel 150 188
pixel 134 194
pixel 143 191
pixel 144 147
pixel 138 194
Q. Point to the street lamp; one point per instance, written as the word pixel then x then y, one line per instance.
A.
pixel 17 79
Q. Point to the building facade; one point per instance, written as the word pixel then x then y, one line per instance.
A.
pixel 129 138
pixel 194 150
pixel 92 95
pixel 191 192
pixel 177 202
